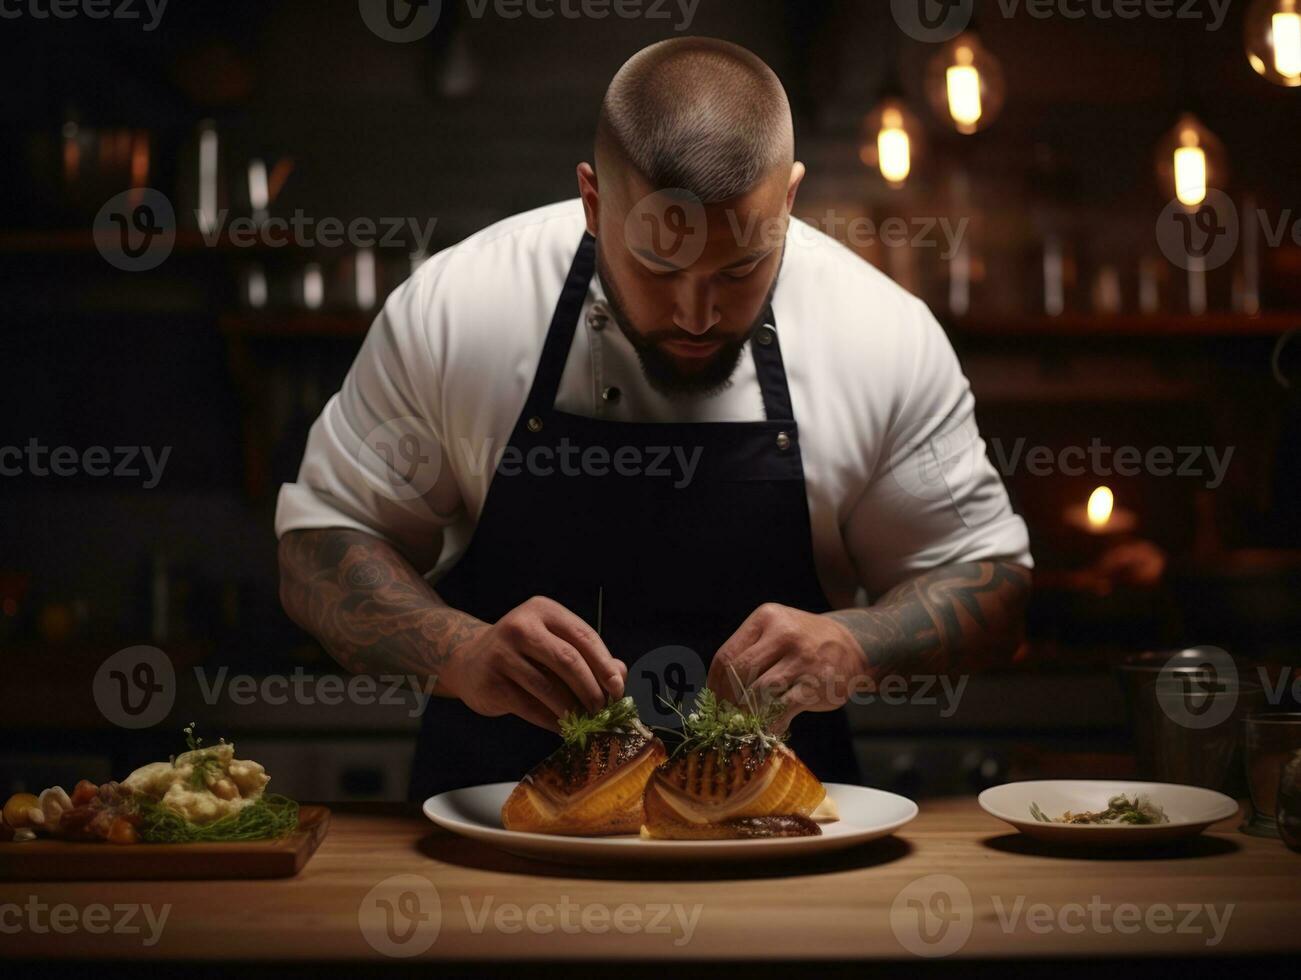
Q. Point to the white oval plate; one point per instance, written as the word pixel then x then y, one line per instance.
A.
pixel 1191 810
pixel 865 814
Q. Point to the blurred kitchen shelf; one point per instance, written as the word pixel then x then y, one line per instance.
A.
pixel 1119 327
pixel 72 241
pixel 1122 325
pixel 296 323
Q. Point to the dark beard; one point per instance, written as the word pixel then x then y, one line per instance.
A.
pixel 661 370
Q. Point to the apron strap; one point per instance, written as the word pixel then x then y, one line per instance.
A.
pixel 771 370
pixel 560 335
pixel 765 347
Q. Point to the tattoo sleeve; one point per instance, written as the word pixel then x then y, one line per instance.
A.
pixel 956 618
pixel 368 606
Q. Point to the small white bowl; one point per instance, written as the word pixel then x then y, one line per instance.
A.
pixel 1190 809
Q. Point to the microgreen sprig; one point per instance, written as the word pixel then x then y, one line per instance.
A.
pixel 718 724
pixel 617 716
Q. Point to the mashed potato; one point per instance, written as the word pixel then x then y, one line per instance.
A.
pixel 224 784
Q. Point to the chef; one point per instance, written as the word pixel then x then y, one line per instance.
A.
pixel 668 409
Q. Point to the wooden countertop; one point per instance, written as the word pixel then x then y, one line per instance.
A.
pixel 1225 894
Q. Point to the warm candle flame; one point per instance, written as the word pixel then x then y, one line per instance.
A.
pixel 1101 502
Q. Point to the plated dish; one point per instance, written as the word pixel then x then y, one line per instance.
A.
pixel 203 795
pixel 729 789
pixel 1106 813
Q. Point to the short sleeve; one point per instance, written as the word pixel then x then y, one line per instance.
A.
pixel 374 460
pixel 934 498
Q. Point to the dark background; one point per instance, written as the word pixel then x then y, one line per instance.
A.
pixel 488 116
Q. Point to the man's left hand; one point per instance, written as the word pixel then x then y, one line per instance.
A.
pixel 808 661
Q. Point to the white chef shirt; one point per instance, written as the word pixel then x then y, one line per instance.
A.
pixel 895 470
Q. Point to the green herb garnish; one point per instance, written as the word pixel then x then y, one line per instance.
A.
pixel 1120 809
pixel 205 763
pixel 617 716
pixel 720 725
pixel 267 817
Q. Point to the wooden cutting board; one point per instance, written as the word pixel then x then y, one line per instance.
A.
pixel 56 860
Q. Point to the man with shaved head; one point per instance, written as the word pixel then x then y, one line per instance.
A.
pixel 660 438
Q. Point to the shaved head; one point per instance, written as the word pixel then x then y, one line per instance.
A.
pixel 698 114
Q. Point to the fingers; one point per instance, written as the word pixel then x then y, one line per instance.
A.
pixel 750 651
pixel 520 702
pixel 608 672
pixel 569 666
pixel 543 686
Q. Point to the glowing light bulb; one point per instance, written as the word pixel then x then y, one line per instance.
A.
pixel 891 141
pixel 1191 161
pixel 1272 36
pixel 1101 503
pixel 894 148
pixel 1190 175
pixel 963 85
pixel 1286 29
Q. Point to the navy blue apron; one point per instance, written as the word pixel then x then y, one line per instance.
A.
pixel 680 561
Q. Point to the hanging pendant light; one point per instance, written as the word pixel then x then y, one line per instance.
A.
pixel 964 84
pixel 891 137
pixel 1190 161
pixel 1272 35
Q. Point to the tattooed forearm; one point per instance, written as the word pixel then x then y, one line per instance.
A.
pixel 959 617
pixel 369 608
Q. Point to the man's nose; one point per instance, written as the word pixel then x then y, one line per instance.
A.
pixel 697 313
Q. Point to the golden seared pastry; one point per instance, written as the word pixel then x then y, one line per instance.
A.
pixel 731 778
pixel 592 786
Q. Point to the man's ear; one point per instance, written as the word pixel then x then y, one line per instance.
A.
pixel 587 190
pixel 797 177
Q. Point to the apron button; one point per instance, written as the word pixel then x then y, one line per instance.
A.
pixel 766 336
pixel 535 424
pixel 783 441
pixel 611 394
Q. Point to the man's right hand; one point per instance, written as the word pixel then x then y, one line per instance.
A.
pixel 538 661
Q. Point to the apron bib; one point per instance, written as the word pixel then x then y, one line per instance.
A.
pixel 682 551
